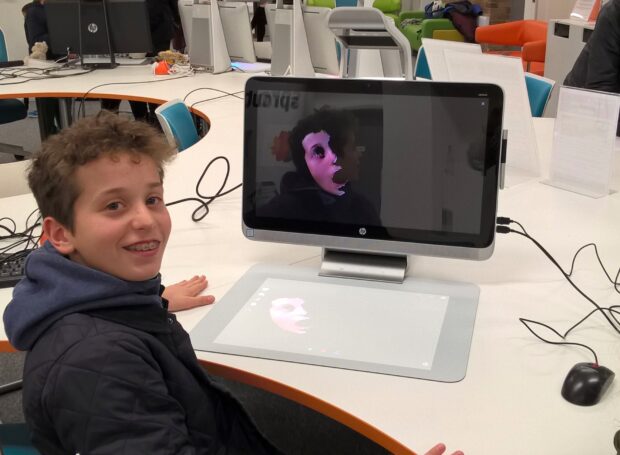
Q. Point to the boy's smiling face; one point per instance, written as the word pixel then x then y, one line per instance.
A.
pixel 121 222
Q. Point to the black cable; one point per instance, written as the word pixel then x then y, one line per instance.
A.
pixel 598 257
pixel 614 282
pixel 125 83
pixel 202 199
pixel 215 90
pixel 568 278
pixel 525 322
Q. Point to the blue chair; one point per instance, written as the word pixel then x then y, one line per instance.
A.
pixel 538 91
pixel 11 110
pixel 15 437
pixel 177 123
pixel 15 440
pixel 422 69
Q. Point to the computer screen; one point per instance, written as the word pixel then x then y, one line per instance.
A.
pixel 128 21
pixel 373 165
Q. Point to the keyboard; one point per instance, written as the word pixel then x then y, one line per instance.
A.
pixel 12 267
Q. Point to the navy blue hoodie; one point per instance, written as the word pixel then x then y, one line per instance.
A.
pixel 55 286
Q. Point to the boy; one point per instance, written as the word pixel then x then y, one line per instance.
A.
pixel 109 370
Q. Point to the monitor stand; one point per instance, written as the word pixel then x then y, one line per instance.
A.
pixel 363 266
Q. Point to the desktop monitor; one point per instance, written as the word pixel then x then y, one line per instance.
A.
pixel 128 22
pixel 376 166
pixel 237 31
pixel 322 45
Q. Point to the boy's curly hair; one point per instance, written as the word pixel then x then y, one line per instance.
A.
pixel 51 175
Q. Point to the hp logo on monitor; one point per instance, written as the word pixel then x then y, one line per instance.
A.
pixel 362 231
pixel 92 27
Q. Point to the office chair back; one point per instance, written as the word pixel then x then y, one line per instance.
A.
pixel 322 3
pixel 177 123
pixel 15 440
pixel 4 56
pixel 538 91
pixel 422 70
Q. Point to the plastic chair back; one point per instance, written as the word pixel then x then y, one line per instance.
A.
pixel 177 123
pixel 15 440
pixel 4 56
pixel 538 91
pixel 422 70
pixel 322 3
pixel 340 3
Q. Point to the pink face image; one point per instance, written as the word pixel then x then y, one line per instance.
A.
pixel 321 162
pixel 287 313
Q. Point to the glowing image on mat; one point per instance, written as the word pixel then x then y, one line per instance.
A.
pixel 287 313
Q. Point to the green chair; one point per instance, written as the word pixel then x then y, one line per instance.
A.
pixel 391 8
pixel 416 26
pixel 322 3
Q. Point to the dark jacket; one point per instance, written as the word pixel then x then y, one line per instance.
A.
pixel 104 376
pixel 598 65
pixel 301 198
pixel 36 26
pixel 163 18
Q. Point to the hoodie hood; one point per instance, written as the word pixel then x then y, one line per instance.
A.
pixel 55 286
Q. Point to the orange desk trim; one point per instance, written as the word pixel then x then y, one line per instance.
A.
pixel 5 346
pixel 309 401
pixel 97 96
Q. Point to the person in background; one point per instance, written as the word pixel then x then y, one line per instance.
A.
pixel 598 64
pixel 259 20
pixel 35 26
pixel 164 22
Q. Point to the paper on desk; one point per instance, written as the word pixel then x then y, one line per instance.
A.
pixel 434 50
pixel 584 141
pixel 522 156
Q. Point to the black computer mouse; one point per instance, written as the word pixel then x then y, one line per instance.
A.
pixel 586 383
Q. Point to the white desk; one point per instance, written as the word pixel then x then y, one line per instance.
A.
pixel 509 402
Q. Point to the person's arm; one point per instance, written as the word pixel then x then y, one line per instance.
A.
pixel 604 57
pixel 440 449
pixel 186 294
pixel 36 27
pixel 107 396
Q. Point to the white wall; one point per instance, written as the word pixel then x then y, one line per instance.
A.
pixel 553 9
pixel 12 24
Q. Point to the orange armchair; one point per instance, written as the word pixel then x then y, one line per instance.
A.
pixel 530 35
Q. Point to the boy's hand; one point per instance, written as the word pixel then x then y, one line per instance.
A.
pixel 439 449
pixel 184 295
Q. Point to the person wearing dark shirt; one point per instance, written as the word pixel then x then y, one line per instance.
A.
pixel 35 26
pixel 164 18
pixel 323 150
pixel 598 64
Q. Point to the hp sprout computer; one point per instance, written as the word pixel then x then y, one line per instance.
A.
pixel 371 171
pixel 92 28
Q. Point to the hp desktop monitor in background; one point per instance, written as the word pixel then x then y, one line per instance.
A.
pixel 95 28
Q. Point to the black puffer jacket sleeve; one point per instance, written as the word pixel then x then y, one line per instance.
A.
pixel 604 58
pixel 117 401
